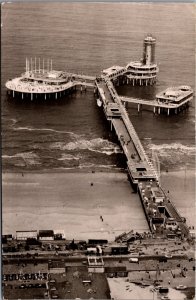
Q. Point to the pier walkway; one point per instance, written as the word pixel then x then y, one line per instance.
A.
pixel 139 166
pixel 154 103
pixel 162 216
pixel 82 77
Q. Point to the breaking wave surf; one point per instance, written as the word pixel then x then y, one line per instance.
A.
pixel 164 149
pixel 29 128
pixel 175 155
pixel 29 158
pixel 96 145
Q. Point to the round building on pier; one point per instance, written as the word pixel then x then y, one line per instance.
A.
pixel 144 72
pixel 37 82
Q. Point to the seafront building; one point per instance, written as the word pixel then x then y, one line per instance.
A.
pixel 144 72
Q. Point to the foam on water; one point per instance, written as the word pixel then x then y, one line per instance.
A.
pixel 174 155
pixel 28 128
pixel 96 145
pixel 29 158
pixel 69 157
pixel 165 149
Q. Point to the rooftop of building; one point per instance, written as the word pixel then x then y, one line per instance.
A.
pixel 141 65
pixel 175 93
pixel 77 282
pixel 41 74
pixel 150 38
pixel 112 70
pixel 46 233
pixel 21 293
pixel 55 264
pixel 27 268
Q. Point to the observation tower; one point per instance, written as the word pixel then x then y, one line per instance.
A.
pixel 144 72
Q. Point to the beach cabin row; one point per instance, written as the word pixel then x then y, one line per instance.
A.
pixel 42 235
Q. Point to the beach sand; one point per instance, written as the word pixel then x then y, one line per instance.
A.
pixel 68 201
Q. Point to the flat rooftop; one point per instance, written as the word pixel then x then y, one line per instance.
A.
pixel 140 64
pixel 175 93
pixel 78 283
pixel 25 269
pixel 112 70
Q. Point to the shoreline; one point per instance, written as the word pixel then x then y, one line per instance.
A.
pixel 68 201
pixel 68 170
pixel 96 169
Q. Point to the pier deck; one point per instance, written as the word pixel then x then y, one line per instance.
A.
pixel 82 77
pixel 138 163
pixel 153 103
pixel 158 208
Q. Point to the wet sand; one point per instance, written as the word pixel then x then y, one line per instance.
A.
pixel 68 201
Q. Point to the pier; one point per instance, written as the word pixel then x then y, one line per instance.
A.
pixel 162 216
pixel 157 106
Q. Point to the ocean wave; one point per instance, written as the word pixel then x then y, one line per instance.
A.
pixel 96 145
pixel 174 155
pixel 69 157
pixel 14 121
pixel 20 183
pixel 29 158
pixel 164 149
pixel 96 166
pixel 28 128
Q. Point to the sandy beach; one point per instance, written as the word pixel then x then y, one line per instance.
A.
pixel 68 201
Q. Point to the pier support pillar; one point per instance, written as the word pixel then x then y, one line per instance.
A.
pixel 22 96
pixel 81 88
pixel 31 97
pixel 168 111
pixel 45 96
pixel 140 82
pixel 13 94
pixel 154 109
pixel 159 110
pixel 56 95
pixel 111 125
pixel 138 108
pixel 133 82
